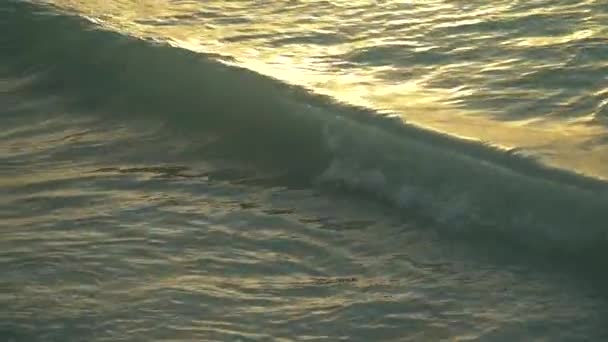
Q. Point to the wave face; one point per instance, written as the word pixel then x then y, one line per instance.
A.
pixel 462 186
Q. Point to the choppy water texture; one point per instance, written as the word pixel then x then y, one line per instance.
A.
pixel 303 170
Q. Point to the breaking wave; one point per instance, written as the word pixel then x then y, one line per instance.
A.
pixel 460 185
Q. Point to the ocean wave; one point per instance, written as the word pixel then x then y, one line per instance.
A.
pixel 463 186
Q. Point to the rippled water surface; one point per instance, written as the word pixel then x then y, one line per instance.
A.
pixel 105 239
pixel 148 193
pixel 526 74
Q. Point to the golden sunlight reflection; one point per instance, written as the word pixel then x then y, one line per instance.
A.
pixel 428 61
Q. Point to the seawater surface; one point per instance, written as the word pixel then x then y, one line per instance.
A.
pixel 303 170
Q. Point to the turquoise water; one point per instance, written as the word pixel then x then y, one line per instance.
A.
pixel 313 170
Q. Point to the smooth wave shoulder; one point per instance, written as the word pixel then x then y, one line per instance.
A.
pixel 462 185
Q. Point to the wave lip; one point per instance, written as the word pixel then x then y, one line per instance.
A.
pixel 463 186
pixel 466 193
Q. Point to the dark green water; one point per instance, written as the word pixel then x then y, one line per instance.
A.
pixel 150 192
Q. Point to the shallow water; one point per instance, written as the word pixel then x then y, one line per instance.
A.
pixel 153 193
